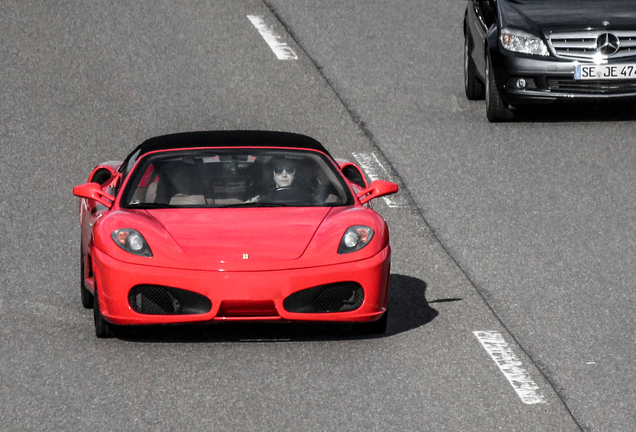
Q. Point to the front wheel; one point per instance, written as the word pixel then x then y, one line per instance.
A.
pixel 496 110
pixel 102 328
pixel 87 297
pixel 472 85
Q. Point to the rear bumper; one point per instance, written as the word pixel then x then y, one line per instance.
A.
pixel 115 279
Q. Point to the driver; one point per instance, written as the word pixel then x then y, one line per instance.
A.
pixel 284 172
pixel 285 189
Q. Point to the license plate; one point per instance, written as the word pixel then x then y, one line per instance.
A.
pixel 605 72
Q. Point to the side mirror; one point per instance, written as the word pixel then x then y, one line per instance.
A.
pixel 94 191
pixel 377 189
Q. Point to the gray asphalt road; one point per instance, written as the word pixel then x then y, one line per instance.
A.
pixel 538 213
pixel 85 82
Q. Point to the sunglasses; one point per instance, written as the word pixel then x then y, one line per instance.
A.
pixel 289 170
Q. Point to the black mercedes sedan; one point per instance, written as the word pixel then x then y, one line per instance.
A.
pixel 521 52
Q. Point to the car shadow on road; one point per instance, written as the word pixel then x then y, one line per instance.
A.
pixel 616 111
pixel 407 305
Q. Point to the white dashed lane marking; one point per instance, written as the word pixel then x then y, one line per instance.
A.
pixel 495 345
pixel 280 48
pixel 376 171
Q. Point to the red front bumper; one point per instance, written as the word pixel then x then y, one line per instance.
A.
pixel 116 278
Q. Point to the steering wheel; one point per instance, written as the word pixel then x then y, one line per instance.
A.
pixel 291 195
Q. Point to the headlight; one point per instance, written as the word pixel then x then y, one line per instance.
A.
pixel 522 42
pixel 131 241
pixel 355 238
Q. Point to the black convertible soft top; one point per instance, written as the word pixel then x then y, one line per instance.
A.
pixel 229 138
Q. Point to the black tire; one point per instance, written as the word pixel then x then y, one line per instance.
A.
pixel 473 86
pixel 373 328
pixel 102 328
pixel 496 110
pixel 87 297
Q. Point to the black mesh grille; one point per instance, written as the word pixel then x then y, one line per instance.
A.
pixel 161 300
pixel 337 297
pixel 592 86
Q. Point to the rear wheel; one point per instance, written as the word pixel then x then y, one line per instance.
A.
pixel 87 297
pixel 473 86
pixel 496 110
pixel 102 328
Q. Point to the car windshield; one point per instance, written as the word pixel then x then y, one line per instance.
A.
pixel 235 177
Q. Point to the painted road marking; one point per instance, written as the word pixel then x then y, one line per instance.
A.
pixel 280 48
pixel 495 345
pixel 376 171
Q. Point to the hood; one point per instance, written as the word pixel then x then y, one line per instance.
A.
pixel 544 16
pixel 234 235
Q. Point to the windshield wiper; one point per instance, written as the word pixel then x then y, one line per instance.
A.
pixel 145 206
pixel 255 204
pixel 148 205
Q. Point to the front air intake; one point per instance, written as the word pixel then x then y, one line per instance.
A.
pixel 162 300
pixel 336 297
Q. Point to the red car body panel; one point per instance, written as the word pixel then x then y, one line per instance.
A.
pixel 263 235
pixel 246 261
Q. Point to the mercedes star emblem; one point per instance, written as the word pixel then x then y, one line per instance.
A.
pixel 607 44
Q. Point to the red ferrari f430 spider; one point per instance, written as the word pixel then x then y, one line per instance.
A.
pixel 232 225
